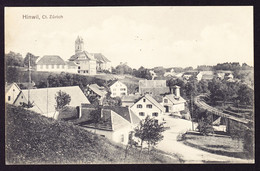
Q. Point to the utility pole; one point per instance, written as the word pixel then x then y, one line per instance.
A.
pixel 29 71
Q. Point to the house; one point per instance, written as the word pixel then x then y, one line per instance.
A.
pixel 102 62
pixel 130 99
pixel 207 75
pixel 54 63
pixel 189 74
pixel 11 92
pixel 153 87
pixel 96 91
pixel 148 106
pixel 117 88
pixel 114 122
pixel 43 99
pixel 174 103
pixel 170 74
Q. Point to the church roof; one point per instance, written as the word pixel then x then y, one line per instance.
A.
pixel 100 57
pixel 51 60
pixel 84 55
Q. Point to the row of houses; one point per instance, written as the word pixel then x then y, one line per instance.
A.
pixel 202 75
pixel 82 62
pixel 116 122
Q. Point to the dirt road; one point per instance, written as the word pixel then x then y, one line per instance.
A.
pixel 189 154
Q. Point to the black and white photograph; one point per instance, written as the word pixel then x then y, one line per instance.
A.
pixel 129 85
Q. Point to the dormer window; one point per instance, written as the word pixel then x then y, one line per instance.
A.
pixel 144 100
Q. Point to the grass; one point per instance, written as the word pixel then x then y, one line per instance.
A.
pixel 35 139
pixel 218 144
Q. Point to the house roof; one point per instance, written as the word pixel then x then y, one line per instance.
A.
pixel 135 119
pixel 112 82
pixel 130 98
pixel 84 55
pixel 155 91
pixel 207 77
pixel 71 63
pixel 44 98
pixel 152 83
pixel 8 87
pixel 51 60
pixel 174 99
pixel 113 117
pixel 100 57
pixel 98 90
pixel 152 100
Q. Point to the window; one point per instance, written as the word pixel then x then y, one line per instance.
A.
pixel 165 100
pixel 62 66
pixel 78 71
pixel 155 114
pixel 114 89
pixel 22 97
pixel 122 138
pixel 86 71
pixel 156 121
pixel 114 94
pixel 9 98
pixel 78 67
pixel 58 66
pixel 41 66
pixel 52 66
pixel 149 106
pixel 102 135
pixel 122 89
pixel 141 113
pixel 47 66
pixel 122 93
pixel 144 100
pixel 20 103
pixel 139 106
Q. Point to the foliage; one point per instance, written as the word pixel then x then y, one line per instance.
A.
pixel 62 99
pixel 149 131
pixel 33 59
pixel 112 101
pixel 27 105
pixel 13 59
pixel 245 95
pixel 34 139
pixel 143 73
pixel 205 126
pixel 249 142
pixel 123 68
pixel 227 66
pixel 12 74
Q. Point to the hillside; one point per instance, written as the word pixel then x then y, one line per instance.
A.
pixel 34 139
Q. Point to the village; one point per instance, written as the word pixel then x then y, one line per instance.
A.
pixel 114 108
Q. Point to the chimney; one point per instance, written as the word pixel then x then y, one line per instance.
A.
pixel 177 91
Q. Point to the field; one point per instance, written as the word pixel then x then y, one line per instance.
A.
pixel 34 139
pixel 218 144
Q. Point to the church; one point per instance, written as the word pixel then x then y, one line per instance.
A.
pixel 82 62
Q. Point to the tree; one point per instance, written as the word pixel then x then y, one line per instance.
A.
pixel 205 123
pixel 13 59
pixel 33 59
pixel 62 99
pixel 96 115
pixel 13 74
pixel 246 95
pixel 149 131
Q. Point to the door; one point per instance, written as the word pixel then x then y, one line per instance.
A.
pixel 166 109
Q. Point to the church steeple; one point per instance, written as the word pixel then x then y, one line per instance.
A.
pixel 79 45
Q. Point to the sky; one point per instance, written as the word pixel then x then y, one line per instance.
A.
pixel 141 36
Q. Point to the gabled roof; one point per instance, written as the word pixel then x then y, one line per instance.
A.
pixel 44 98
pixel 113 82
pixel 71 63
pixel 51 60
pixel 152 83
pixel 152 100
pixel 7 88
pixel 130 98
pixel 135 119
pixel 84 55
pixel 100 57
pixel 174 99
pixel 98 90
pixel 113 117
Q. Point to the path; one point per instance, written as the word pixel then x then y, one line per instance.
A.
pixel 189 154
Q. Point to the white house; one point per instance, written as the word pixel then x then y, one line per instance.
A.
pixel 148 106
pixel 54 63
pixel 115 122
pixel 174 103
pixel 11 93
pixel 44 102
pixel 117 88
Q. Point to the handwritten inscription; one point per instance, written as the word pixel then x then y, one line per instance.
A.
pixel 39 17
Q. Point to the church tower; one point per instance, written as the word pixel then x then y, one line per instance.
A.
pixel 79 45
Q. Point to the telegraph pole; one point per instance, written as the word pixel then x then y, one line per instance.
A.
pixel 29 79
